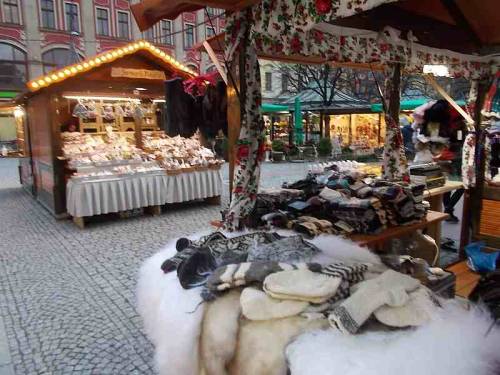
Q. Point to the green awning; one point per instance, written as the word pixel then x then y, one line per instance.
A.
pixel 8 94
pixel 270 108
pixel 408 105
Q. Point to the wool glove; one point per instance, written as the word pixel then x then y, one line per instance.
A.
pixel 390 288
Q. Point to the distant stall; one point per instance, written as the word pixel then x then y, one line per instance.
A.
pixel 95 144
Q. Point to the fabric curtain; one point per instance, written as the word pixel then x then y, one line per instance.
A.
pixel 250 146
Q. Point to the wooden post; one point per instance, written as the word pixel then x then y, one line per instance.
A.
pixel 138 131
pixel 321 119
pixel 233 118
pixel 327 125
pixel 379 128
pixel 477 191
pixel 395 94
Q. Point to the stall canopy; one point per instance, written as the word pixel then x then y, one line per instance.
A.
pixel 149 12
pixel 386 33
pixel 409 105
pixel 137 48
pixel 341 102
pixel 273 108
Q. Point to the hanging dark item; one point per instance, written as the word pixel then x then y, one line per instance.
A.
pixel 214 110
pixel 439 113
pixel 180 110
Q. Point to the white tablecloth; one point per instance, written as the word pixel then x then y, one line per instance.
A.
pixel 96 197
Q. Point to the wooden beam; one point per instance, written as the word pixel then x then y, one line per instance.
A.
pixel 462 22
pixel 430 78
pixel 215 60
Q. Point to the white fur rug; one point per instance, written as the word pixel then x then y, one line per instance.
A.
pixel 453 344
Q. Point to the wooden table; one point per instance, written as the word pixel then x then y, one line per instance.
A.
pixel 375 241
pixel 466 279
pixel 435 198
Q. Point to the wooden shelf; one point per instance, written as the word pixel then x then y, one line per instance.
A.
pixel 466 279
pixel 372 240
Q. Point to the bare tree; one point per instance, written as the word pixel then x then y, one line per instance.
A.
pixel 321 79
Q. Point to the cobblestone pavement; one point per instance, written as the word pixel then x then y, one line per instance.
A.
pixel 67 295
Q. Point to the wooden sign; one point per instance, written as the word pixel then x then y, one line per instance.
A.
pixel 138 73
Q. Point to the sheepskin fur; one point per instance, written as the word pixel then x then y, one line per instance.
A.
pixel 261 344
pixel 220 332
pixel 453 343
pixel 172 316
pixel 166 311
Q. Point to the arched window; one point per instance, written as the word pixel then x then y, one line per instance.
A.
pixel 193 67
pixel 211 69
pixel 13 67
pixel 57 58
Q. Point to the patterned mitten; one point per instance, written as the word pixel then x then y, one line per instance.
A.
pixel 390 288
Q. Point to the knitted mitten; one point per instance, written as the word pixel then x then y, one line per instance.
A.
pixel 390 288
pixel 234 275
pixel 257 305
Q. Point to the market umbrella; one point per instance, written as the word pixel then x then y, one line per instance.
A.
pixel 298 129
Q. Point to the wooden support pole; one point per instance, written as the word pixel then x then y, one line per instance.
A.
pixel 477 191
pixel 215 60
pixel 138 131
pixel 234 115
pixel 395 94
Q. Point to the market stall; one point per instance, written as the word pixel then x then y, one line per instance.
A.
pixel 97 139
pixel 274 303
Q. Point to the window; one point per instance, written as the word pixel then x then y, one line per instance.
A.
pixel 149 34
pixel 189 38
pixel 72 19
pixel 211 11
pixel 13 67
pixel 210 31
pixel 10 9
pixel 57 58
pixel 284 82
pixel 269 81
pixel 102 18
pixel 166 32
pixel 123 25
pixel 48 14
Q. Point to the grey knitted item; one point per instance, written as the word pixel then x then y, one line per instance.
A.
pixel 235 275
pixel 288 249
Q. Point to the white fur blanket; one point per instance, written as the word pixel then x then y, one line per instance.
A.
pixel 452 344
pixel 173 318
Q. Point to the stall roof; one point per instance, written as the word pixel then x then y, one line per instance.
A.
pixel 141 47
pixel 273 108
pixel 410 104
pixel 466 26
pixel 149 12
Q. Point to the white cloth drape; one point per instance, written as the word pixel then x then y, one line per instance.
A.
pixel 96 197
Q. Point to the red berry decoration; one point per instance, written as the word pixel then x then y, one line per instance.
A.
pixel 323 6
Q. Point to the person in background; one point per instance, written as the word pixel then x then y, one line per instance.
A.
pixel 407 132
pixel 452 156
pixel 70 126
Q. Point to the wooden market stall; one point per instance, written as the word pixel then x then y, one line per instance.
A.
pixel 420 33
pixel 114 98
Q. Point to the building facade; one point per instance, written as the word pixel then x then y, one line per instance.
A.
pixel 37 36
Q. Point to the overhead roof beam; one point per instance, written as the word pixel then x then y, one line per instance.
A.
pixel 461 21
